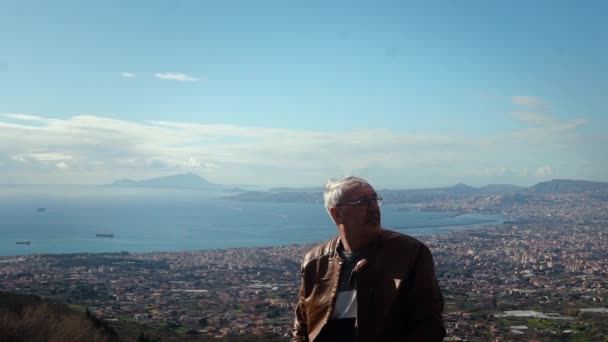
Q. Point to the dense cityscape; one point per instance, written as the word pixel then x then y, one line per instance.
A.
pixel 542 275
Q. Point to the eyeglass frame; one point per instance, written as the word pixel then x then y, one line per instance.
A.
pixel 365 200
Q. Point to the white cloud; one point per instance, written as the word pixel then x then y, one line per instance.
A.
pixel 100 149
pixel 91 142
pixel 50 156
pixel 527 101
pixel 199 163
pixel 176 76
pixel 62 166
pixel 20 159
pixel 544 171
pixel 128 75
pixel 194 162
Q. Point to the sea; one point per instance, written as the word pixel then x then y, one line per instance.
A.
pixel 67 219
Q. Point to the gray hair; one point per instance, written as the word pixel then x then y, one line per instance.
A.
pixel 335 188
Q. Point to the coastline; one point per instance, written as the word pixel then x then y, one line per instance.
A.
pixel 431 230
pixel 446 226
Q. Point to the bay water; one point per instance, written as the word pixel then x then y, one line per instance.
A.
pixel 67 220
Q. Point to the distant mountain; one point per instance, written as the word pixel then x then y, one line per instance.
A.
pixel 289 196
pixel 500 188
pixel 390 196
pixel 180 181
pixel 561 186
pixel 461 188
pixel 125 182
pixel 426 195
pixel 509 193
pixel 285 189
pixel 538 192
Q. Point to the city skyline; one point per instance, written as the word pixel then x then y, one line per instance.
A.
pixel 286 94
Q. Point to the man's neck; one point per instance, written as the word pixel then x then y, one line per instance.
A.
pixel 355 243
pixel 349 247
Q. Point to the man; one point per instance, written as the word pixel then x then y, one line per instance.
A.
pixel 368 283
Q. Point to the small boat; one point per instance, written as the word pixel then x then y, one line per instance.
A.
pixel 105 235
pixel 24 242
pixel 40 209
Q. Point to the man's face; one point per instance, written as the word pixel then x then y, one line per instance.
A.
pixel 363 217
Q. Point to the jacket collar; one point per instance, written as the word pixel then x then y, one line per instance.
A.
pixel 332 247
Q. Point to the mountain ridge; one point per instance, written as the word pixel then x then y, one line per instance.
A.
pixel 568 186
pixel 596 189
pixel 177 181
pixel 194 181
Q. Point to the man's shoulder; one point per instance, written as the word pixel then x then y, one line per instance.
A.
pixel 320 250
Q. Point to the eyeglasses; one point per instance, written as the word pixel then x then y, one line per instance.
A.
pixel 367 201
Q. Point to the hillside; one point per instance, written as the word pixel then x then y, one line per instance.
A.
pixel 561 186
pixel 30 318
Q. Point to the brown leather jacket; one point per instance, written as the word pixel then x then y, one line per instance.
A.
pixel 398 297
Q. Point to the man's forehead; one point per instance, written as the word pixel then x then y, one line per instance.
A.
pixel 359 191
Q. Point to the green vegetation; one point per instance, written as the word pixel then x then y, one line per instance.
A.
pixel 30 318
pixel 181 330
pixel 541 323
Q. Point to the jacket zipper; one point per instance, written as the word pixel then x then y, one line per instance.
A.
pixel 334 294
pixel 355 271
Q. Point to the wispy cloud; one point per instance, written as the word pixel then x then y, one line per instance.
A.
pixel 176 76
pixel 546 130
pixel 527 100
pixel 533 118
pixel 128 75
pixel 547 134
pixel 23 117
pixel 51 156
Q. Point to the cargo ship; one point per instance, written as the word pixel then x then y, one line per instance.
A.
pixel 23 242
pixel 105 235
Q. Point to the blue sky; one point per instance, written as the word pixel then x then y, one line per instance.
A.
pixel 408 94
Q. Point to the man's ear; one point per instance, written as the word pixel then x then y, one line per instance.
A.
pixel 336 215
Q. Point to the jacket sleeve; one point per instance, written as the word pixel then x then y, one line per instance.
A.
pixel 300 326
pixel 423 302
